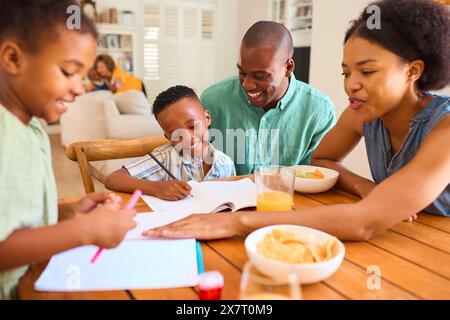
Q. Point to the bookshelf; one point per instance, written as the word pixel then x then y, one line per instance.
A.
pixel 297 16
pixel 120 42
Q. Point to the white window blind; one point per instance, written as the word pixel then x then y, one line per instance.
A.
pixel 179 41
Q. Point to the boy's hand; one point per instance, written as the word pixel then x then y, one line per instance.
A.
pixel 92 200
pixel 106 225
pixel 173 190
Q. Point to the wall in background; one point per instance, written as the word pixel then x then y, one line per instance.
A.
pixel 445 91
pixel 251 11
pixel 330 21
pixel 228 30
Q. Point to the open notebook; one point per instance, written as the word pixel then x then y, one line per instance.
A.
pixel 209 197
pixel 150 264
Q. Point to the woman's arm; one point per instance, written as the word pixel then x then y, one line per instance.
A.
pixel 400 196
pixel 335 146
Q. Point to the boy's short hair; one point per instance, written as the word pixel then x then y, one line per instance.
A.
pixel 172 95
pixel 107 60
pixel 30 21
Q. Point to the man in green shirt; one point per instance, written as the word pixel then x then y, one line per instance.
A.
pixel 266 116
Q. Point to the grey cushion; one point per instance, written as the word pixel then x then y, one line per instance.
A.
pixel 132 102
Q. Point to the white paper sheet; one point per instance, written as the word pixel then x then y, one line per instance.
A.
pixel 148 264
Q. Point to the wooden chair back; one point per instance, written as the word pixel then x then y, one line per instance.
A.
pixel 85 151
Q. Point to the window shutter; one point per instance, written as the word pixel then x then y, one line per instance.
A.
pixel 179 43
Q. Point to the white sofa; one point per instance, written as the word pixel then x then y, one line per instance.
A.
pixel 102 115
pixel 97 115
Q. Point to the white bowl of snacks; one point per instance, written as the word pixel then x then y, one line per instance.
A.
pixel 311 179
pixel 280 250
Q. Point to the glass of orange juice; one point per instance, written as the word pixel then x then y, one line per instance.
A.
pixel 274 188
pixel 257 286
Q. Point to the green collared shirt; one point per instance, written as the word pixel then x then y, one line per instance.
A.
pixel 27 186
pixel 285 135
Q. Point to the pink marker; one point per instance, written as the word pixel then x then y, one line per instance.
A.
pixel 130 205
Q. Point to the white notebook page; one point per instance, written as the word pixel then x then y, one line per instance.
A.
pixel 132 265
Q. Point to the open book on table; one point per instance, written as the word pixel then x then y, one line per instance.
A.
pixel 207 197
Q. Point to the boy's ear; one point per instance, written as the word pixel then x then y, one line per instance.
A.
pixel 11 57
pixel 208 118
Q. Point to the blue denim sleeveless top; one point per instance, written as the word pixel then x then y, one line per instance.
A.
pixel 383 164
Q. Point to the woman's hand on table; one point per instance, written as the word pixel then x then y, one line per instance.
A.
pixel 201 226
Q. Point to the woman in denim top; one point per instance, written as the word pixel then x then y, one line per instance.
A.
pixel 388 74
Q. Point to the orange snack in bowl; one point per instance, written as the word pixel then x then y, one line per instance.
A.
pixel 318 174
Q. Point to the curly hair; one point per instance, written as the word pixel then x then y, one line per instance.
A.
pixel 172 95
pixel 30 21
pixel 107 60
pixel 413 30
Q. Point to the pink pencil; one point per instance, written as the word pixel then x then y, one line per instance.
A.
pixel 130 205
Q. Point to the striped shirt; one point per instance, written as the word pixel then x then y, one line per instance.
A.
pixel 182 167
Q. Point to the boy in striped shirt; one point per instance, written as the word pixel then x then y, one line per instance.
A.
pixel 188 156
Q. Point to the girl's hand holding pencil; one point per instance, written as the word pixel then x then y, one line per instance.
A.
pixel 114 233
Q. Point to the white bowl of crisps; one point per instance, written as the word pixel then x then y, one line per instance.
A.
pixel 280 250
pixel 312 179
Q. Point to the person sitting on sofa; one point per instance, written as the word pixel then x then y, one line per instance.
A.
pixel 188 156
pixel 115 78
pixel 95 81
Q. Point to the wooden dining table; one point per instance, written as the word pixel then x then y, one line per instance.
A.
pixel 409 261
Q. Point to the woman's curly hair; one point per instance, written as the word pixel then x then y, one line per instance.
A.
pixel 413 30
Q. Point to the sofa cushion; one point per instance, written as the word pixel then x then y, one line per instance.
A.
pixel 85 118
pixel 132 102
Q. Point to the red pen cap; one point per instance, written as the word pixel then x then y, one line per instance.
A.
pixel 210 285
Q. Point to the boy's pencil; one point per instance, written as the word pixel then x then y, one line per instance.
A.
pixel 201 268
pixel 164 168
pixel 130 205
